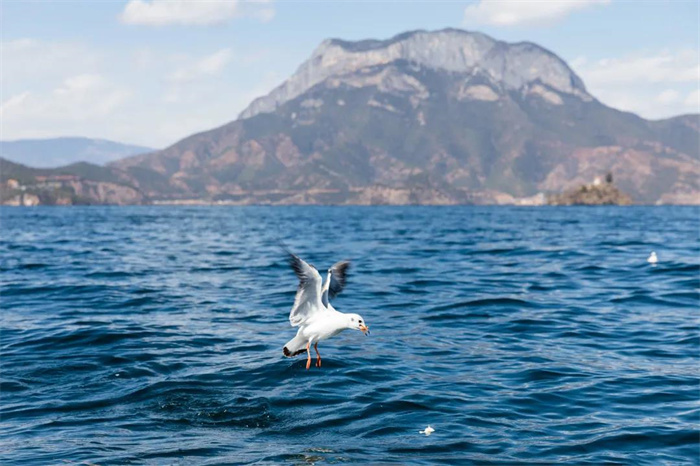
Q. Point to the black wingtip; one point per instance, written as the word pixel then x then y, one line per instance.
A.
pixel 291 257
pixel 284 248
pixel 296 265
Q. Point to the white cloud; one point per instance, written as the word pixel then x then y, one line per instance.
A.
pixel 693 101
pixel 13 103
pixel 143 58
pixel 27 61
pixel 681 66
pixel 518 12
pixel 54 87
pixel 206 66
pixel 79 84
pixel 192 12
pixel 85 98
pixel 143 95
pixel 650 84
pixel 668 96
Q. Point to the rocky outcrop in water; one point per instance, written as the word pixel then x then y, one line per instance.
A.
pixel 591 194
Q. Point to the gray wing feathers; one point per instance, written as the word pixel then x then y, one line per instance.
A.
pixel 338 278
pixel 308 297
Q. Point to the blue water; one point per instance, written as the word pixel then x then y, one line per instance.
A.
pixel 153 335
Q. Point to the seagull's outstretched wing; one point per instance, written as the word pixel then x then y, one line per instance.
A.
pixel 339 277
pixel 337 282
pixel 308 298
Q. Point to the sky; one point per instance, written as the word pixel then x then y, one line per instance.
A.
pixel 152 72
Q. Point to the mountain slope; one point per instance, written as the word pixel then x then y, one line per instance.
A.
pixel 56 152
pixel 425 117
pixel 78 183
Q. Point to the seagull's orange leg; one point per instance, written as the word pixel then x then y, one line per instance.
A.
pixel 308 354
pixel 318 355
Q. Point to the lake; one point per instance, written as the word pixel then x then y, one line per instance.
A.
pixel 153 335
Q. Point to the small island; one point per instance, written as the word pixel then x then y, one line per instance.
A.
pixel 597 193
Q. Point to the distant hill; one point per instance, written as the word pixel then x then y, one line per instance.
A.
pixel 78 183
pixel 428 118
pixel 56 152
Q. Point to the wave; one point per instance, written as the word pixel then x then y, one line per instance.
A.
pixel 153 336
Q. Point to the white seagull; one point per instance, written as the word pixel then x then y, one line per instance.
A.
pixel 313 313
pixel 652 259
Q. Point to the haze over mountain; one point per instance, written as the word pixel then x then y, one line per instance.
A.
pixel 56 152
pixel 425 117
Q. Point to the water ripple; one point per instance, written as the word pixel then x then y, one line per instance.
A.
pixel 148 335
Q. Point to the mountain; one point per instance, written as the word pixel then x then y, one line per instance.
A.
pixel 56 152
pixel 511 65
pixel 77 183
pixel 430 118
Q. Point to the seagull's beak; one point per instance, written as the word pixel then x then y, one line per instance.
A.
pixel 364 329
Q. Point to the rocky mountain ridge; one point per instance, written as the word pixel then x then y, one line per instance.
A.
pixel 450 50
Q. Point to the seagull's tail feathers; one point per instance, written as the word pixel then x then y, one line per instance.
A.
pixel 296 345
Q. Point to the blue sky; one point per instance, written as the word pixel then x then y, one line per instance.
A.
pixel 152 72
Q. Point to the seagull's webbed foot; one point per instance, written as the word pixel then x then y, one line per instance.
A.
pixel 318 355
pixel 308 356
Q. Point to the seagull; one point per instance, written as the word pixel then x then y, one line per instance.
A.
pixel 313 313
pixel 652 258
pixel 428 430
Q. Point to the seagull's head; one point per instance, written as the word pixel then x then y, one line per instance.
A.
pixel 355 321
